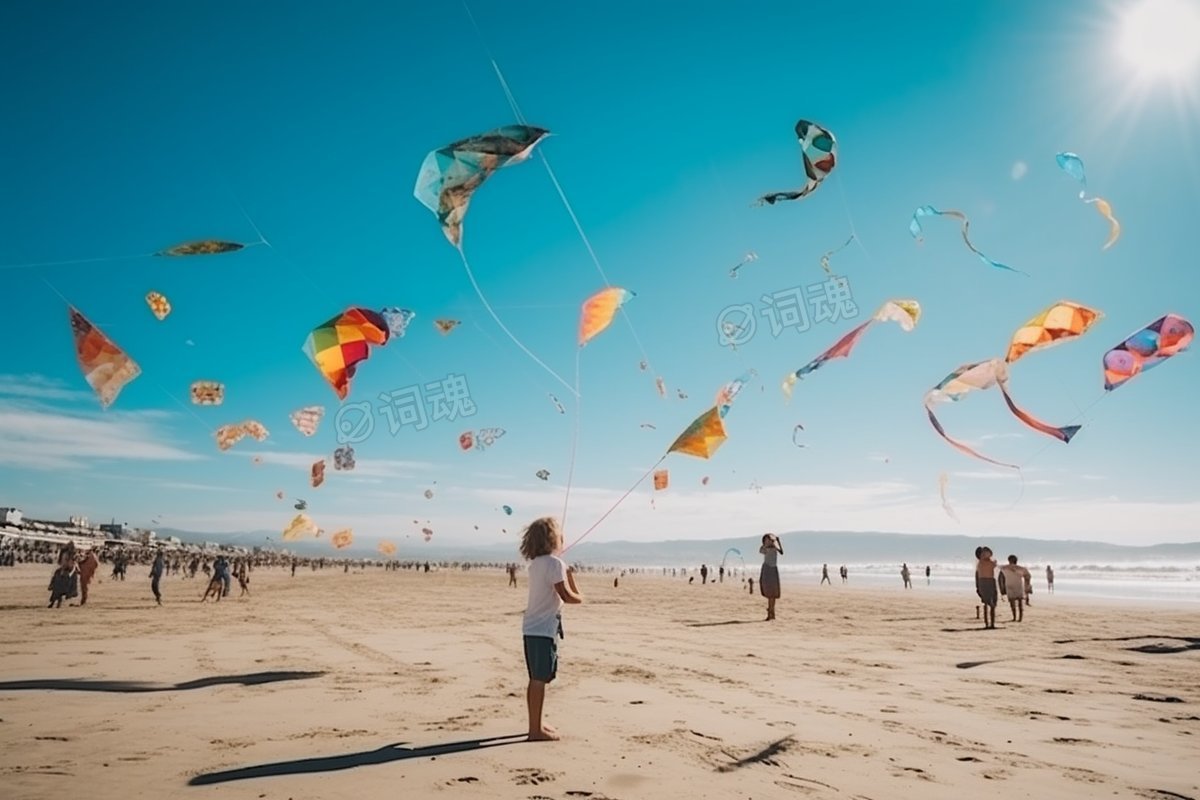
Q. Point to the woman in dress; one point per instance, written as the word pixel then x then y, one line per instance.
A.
pixel 768 578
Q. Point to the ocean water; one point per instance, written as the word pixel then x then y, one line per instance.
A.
pixel 1152 582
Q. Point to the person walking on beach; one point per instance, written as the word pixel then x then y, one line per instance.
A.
pixel 906 576
pixel 243 579
pixel 927 571
pixel 703 573
pixel 1049 579
pixel 512 574
pixel 752 586
pixel 1017 582
pixel 845 573
pixel 721 574
pixel 156 573
pixel 768 577
pixel 825 575
pixel 985 578
pixel 551 584
pixel 62 585
pixel 87 570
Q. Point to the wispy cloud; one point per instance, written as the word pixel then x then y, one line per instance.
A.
pixel 41 439
pixel 196 487
pixel 39 387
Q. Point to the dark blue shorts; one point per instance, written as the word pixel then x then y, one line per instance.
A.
pixel 541 658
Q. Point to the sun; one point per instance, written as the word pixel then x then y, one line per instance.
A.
pixel 1160 39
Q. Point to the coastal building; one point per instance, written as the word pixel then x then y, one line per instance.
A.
pixel 11 517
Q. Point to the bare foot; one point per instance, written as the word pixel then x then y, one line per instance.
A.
pixel 548 728
pixel 543 736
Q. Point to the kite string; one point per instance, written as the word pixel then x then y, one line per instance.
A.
pixel 1020 470
pixel 503 327
pixel 574 440
pixel 614 506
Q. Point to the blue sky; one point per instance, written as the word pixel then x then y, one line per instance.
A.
pixel 129 132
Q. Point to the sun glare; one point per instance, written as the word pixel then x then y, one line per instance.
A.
pixel 1161 38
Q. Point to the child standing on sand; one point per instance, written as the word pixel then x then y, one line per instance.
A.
pixel 551 583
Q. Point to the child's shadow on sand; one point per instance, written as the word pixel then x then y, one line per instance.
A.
pixel 384 755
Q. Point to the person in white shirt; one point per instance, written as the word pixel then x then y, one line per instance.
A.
pixel 1017 583
pixel 551 583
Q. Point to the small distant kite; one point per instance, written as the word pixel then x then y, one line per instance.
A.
pixel 796 431
pixel 387 549
pixel 943 482
pixel 704 481
pixel 746 259
pixel 729 391
pixel 429 494
pixel 397 320
pixel 1073 166
pixel 206 247
pixel 229 435
pixel 160 307
pixel 662 386
pixel 318 473
pixel 256 460
pixel 543 474
pixel 343 458
pixel 681 394
pixel 662 479
pixel 466 440
pixel 444 326
pixel 342 539
pixel 819 150
pixel 307 419
pixel 428 533
pixel 914 227
pixel 1167 336
pixel 279 495
pixel 208 393
pixel 105 366
pixel 300 505
pixel 507 510
pixel 825 258
pixel 557 404
pixel 643 366
pixel 481 440
pixel 649 426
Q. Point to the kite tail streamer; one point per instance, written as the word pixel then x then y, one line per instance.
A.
pixel 503 327
pixel 614 506
pixel 1063 434
pixel 1105 210
pixel 962 448
pixel 574 441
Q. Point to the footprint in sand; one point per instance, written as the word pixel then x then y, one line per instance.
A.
pixel 532 777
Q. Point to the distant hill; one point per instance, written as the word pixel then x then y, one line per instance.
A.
pixel 800 547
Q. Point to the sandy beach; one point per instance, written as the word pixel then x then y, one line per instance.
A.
pixel 332 685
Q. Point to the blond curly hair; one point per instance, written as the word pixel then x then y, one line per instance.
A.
pixel 541 538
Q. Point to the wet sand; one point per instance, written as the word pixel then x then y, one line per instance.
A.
pixel 409 685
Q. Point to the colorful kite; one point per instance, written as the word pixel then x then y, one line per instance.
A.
pixel 746 259
pixel 906 313
pixel 300 527
pixel 1073 166
pixel 207 393
pixel 466 440
pixel 229 435
pixel 444 326
pixel 1167 336
pixel 160 307
pixel 598 311
pixel 825 258
pixel 343 458
pixel 543 474
pixel 397 320
pixel 819 149
pixel 914 227
pixel 337 346
pixel 451 174
pixel 661 479
pixel 105 366
pixel 387 549
pixel 317 473
pixel 207 247
pixel 703 437
pixel 307 419
pixel 342 539
pixel 985 375
pixel 1062 321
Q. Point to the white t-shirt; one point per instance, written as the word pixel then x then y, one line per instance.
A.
pixel 1014 580
pixel 541 614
